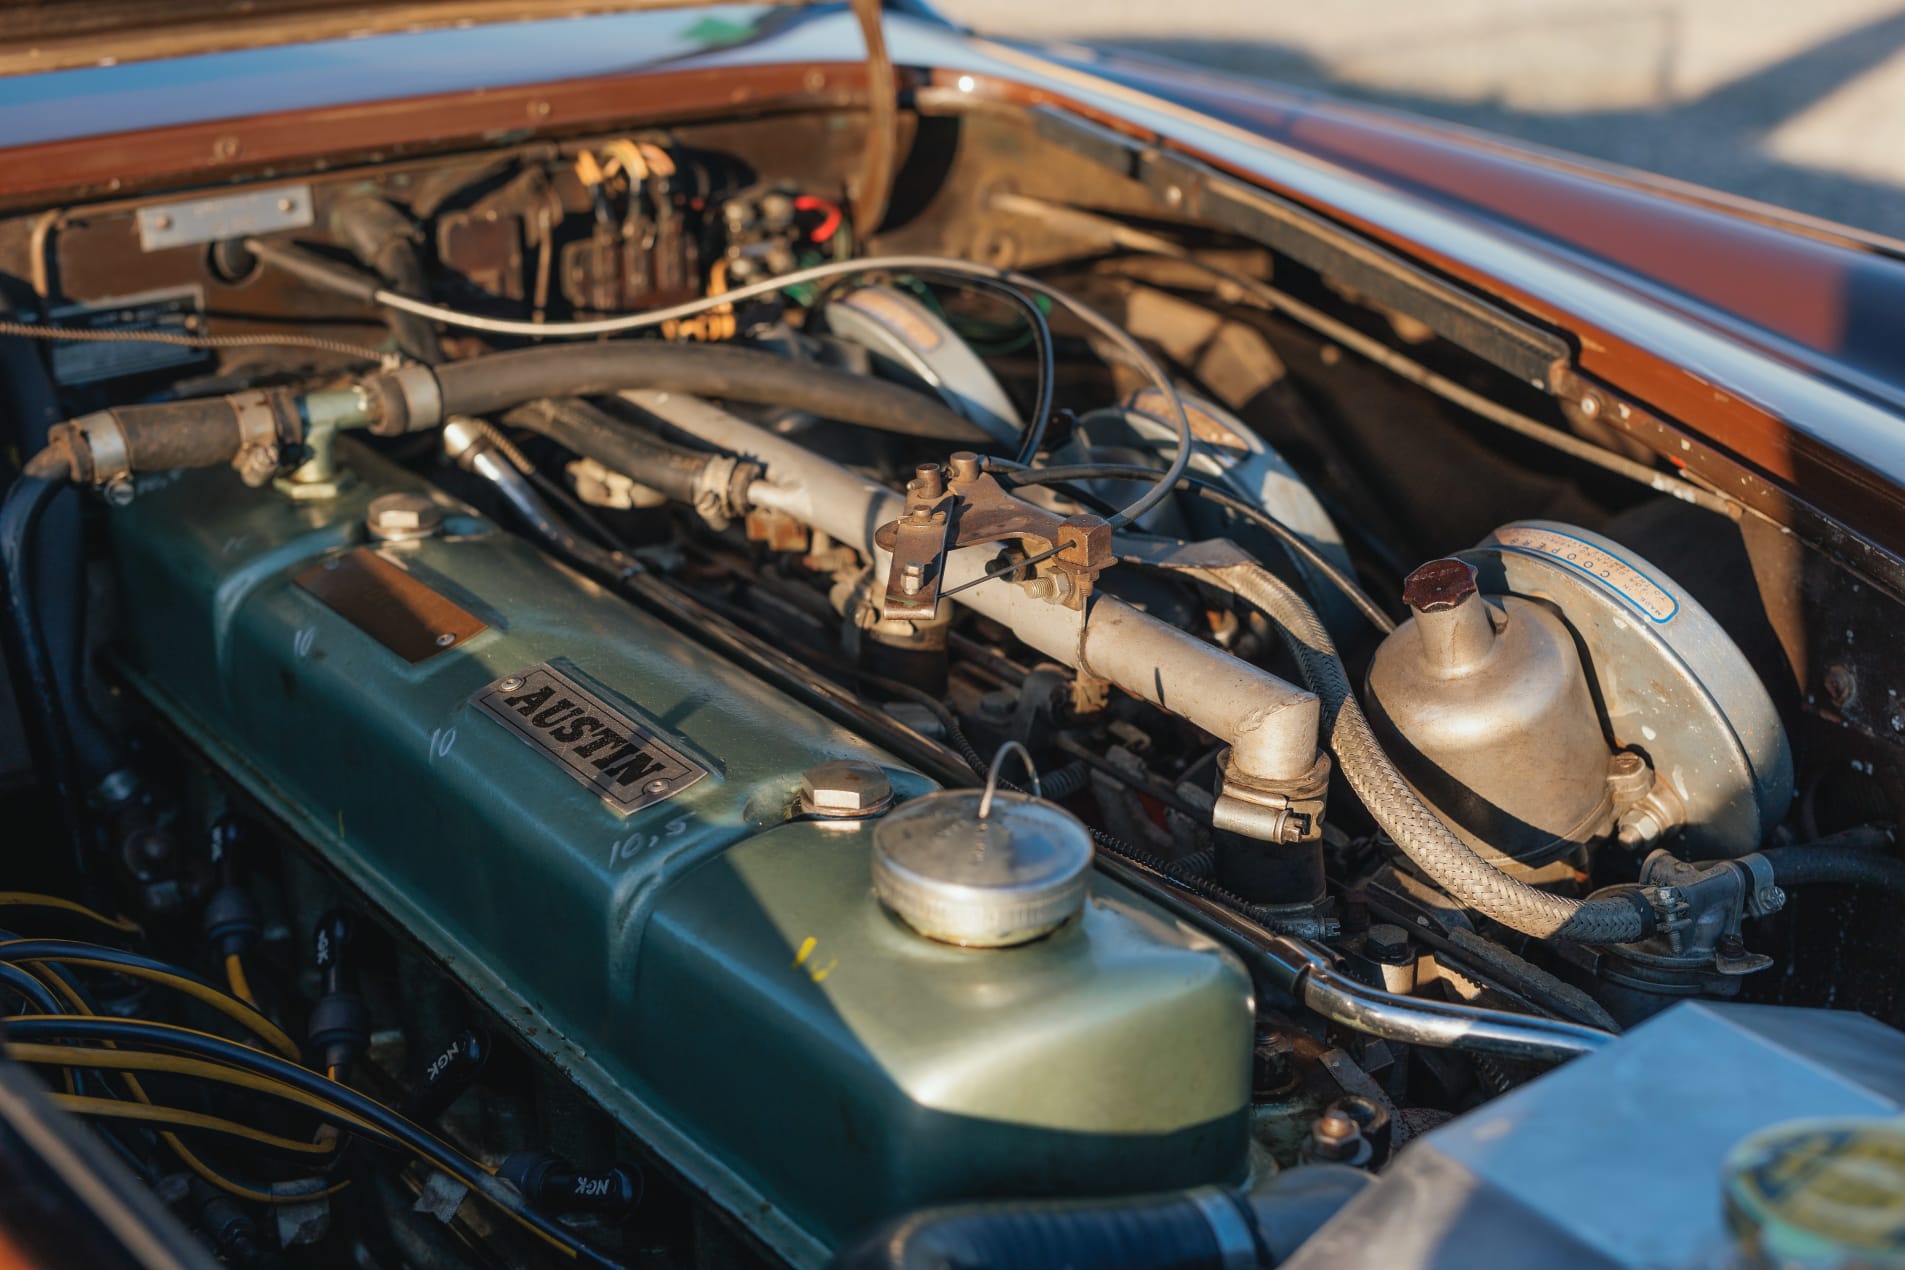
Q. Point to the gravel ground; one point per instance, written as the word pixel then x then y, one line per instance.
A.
pixel 1802 105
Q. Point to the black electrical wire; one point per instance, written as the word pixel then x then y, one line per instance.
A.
pixel 1216 495
pixel 35 682
pixel 419 1141
pixel 30 989
pixel 1043 399
pixel 80 953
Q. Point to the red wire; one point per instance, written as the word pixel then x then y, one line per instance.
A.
pixel 829 223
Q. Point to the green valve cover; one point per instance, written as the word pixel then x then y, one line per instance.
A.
pixel 588 818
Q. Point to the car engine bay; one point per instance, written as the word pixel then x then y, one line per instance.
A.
pixel 570 703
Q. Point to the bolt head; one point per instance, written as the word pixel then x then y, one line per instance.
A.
pixel 1387 943
pixel 1840 684
pixel 845 788
pixel 119 492
pixel 1628 777
pixel 400 516
pixel 510 684
pixel 1335 1136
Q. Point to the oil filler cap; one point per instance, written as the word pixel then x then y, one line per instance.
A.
pixel 982 881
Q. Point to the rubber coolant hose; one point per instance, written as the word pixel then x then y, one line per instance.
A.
pixel 1418 831
pixel 1205 1229
pixel 59 573
pixel 1852 858
pixel 35 686
pixel 617 444
pixel 486 385
pixel 385 239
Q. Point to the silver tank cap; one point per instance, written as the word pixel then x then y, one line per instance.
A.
pixel 981 882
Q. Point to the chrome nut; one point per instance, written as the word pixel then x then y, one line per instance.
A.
pixel 845 789
pixel 395 517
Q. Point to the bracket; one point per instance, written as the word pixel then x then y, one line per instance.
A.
pixel 965 506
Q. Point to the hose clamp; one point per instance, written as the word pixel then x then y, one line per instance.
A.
pixel 106 446
pixel 1271 811
pixel 257 419
pixel 422 396
pixel 1764 895
pixel 1224 1216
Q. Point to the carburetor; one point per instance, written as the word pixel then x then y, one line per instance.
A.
pixel 1553 689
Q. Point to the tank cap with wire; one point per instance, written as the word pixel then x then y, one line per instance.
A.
pixel 982 868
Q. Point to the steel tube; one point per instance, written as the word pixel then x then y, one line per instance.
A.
pixel 1306 973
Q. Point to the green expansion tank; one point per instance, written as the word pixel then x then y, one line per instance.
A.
pixel 592 821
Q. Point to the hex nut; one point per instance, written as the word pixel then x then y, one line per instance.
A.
pixel 845 789
pixel 1628 778
pixel 1337 1138
pixel 1387 943
pixel 396 517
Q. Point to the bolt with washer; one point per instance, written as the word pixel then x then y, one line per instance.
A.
pixel 401 517
pixel 845 789
pixel 510 684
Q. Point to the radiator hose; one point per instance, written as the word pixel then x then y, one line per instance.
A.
pixel 617 444
pixel 1855 857
pixel 1617 917
pixel 253 429
pixel 486 385
pixel 1210 1228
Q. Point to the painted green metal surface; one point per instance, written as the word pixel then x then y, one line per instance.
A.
pixel 662 959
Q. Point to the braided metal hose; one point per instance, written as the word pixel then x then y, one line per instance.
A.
pixel 1417 830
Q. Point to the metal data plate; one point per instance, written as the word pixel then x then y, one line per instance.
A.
pixel 226 216
pixel 389 605
pixel 624 762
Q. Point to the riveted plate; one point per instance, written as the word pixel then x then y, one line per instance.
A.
pixel 224 216
pixel 624 762
pixel 389 605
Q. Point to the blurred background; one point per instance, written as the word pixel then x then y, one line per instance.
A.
pixel 1795 102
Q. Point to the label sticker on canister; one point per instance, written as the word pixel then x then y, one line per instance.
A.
pixel 1611 571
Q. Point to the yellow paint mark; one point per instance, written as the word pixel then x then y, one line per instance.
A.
pixel 340 822
pixel 806 950
pixel 824 971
